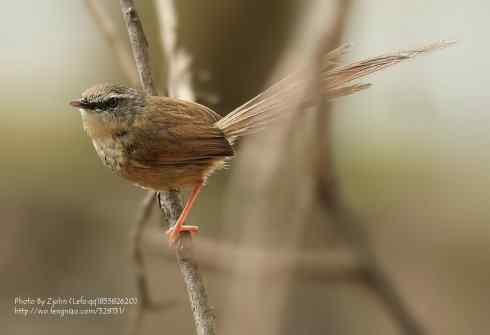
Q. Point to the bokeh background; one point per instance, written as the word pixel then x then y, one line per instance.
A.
pixel 411 154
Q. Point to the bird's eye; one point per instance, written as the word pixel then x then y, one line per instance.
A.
pixel 109 103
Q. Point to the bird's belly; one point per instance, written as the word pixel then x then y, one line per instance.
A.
pixel 155 177
pixel 169 177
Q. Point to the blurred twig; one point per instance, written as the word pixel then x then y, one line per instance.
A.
pixel 116 42
pixel 179 83
pixel 170 202
pixel 139 46
pixel 142 286
pixel 336 265
pixel 345 221
pixel 372 273
pixel 273 172
pixel 179 76
pixel 106 26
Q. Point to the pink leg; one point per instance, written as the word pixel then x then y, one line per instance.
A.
pixel 173 232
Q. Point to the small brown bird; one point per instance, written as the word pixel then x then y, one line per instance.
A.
pixel 162 143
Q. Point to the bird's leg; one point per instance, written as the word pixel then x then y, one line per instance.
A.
pixel 174 231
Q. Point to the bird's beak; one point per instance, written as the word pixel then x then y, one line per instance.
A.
pixel 76 103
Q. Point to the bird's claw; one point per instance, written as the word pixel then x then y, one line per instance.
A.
pixel 174 232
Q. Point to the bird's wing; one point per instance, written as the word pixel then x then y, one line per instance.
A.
pixel 179 133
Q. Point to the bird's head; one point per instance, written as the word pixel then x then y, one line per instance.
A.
pixel 111 102
pixel 107 107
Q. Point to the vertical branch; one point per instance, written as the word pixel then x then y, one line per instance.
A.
pixel 116 42
pixel 204 318
pixel 273 173
pixel 179 76
pixel 139 45
pixel 136 249
pixel 346 222
pixel 179 83
pixel 108 30
pixel 372 273
pixel 170 202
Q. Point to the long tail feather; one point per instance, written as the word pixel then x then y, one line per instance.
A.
pixel 337 81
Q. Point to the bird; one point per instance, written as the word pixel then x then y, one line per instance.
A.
pixel 162 143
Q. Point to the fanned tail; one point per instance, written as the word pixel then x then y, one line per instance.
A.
pixel 336 80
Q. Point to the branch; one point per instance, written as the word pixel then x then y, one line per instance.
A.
pixel 136 240
pixel 337 265
pixel 139 45
pixel 372 272
pixel 342 217
pixel 137 253
pixel 106 26
pixel 204 318
pixel 179 83
pixel 179 76
pixel 170 202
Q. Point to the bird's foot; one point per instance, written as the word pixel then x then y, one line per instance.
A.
pixel 174 232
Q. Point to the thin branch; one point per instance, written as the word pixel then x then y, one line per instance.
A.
pixel 146 303
pixel 273 163
pixel 136 239
pixel 337 265
pixel 179 76
pixel 342 217
pixel 373 273
pixel 204 318
pixel 179 83
pixel 170 202
pixel 137 252
pixel 106 26
pixel 139 45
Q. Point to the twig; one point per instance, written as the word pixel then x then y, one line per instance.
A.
pixel 136 238
pixel 204 318
pixel 373 273
pixel 273 173
pixel 107 28
pixel 170 202
pixel 336 265
pixel 139 45
pixel 345 221
pixel 106 25
pixel 179 77
pixel 179 83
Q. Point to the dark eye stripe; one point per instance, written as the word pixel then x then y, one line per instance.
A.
pixel 107 103
pixel 100 104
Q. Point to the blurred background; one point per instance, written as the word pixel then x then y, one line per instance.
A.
pixel 411 154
